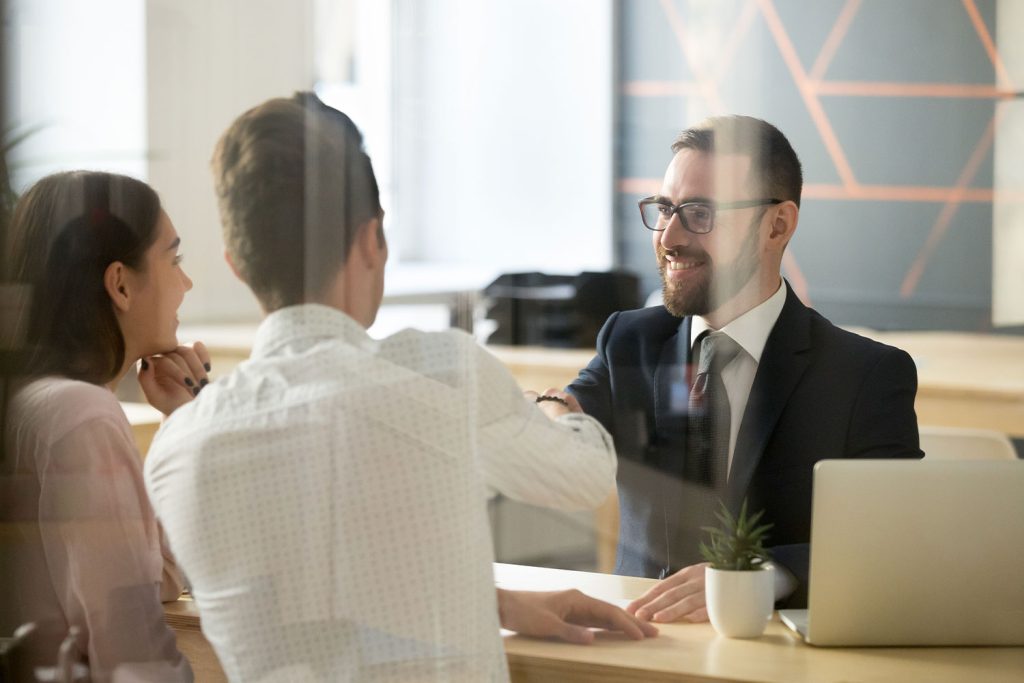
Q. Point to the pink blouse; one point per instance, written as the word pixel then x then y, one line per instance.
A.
pixel 82 545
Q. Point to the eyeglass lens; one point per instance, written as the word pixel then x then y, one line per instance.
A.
pixel 698 218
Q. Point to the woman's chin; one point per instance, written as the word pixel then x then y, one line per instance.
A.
pixel 163 346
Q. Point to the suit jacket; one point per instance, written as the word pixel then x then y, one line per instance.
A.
pixel 819 392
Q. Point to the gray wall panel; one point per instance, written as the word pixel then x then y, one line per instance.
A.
pixel 859 242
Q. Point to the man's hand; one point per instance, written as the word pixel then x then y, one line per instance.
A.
pixel 172 379
pixel 680 596
pixel 566 615
pixel 565 404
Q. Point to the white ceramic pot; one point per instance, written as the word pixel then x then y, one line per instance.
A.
pixel 739 603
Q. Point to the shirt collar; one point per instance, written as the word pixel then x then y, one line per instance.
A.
pixel 751 329
pixel 306 322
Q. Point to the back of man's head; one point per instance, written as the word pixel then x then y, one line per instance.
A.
pixel 775 167
pixel 294 187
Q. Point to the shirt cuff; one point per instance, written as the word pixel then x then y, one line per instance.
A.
pixel 581 422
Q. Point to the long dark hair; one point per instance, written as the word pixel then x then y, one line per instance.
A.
pixel 64 233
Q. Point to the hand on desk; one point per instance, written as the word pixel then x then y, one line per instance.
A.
pixel 566 615
pixel 680 596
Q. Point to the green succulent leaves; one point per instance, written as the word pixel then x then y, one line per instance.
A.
pixel 738 544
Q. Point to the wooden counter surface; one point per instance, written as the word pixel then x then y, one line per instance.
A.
pixel 694 652
pixel 966 380
pixel 682 652
pixel 183 618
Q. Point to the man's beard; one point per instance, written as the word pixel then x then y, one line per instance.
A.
pixel 717 285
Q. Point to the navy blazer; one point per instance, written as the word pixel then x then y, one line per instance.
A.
pixel 819 392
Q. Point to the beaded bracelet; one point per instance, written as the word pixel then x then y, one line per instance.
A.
pixel 556 399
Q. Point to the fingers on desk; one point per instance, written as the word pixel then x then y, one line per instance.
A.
pixel 680 596
pixel 587 611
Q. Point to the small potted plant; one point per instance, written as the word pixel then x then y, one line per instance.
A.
pixel 739 584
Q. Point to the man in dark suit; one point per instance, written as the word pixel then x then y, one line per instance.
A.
pixel 733 389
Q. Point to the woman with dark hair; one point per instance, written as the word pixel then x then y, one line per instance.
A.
pixel 99 259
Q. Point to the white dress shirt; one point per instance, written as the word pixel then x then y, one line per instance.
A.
pixel 327 500
pixel 750 331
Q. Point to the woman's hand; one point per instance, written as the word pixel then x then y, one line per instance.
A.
pixel 170 380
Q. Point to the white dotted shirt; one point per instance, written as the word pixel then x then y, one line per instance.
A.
pixel 327 500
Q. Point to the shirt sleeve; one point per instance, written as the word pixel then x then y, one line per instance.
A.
pixel 592 388
pixel 568 463
pixel 104 551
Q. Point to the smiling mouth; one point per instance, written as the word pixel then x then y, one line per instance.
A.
pixel 688 264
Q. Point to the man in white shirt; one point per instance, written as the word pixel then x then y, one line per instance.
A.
pixel 327 498
pixel 733 389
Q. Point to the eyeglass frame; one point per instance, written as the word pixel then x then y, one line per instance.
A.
pixel 714 206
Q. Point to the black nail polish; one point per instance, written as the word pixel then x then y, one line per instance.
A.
pixel 207 366
pixel 203 382
pixel 145 365
pixel 189 382
pixel 196 391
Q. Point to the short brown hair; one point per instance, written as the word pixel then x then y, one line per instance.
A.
pixel 64 233
pixel 775 166
pixel 294 185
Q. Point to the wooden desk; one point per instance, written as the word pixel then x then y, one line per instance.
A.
pixel 682 652
pixel 183 618
pixel 694 652
pixel 966 380
pixel 540 369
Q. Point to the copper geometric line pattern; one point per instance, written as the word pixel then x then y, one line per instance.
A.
pixel 945 218
pixel 811 100
pixel 1002 76
pixel 835 38
pixel 812 87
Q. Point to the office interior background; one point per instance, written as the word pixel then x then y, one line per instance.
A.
pixel 517 135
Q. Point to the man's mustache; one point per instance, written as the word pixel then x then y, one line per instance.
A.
pixel 679 252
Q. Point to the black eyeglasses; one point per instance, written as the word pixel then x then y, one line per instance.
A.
pixel 697 217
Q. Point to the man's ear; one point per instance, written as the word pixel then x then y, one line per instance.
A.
pixel 787 214
pixel 231 264
pixel 115 281
pixel 372 248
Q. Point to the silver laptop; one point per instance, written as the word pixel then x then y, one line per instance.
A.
pixel 915 552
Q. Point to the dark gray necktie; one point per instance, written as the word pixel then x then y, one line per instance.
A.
pixel 707 455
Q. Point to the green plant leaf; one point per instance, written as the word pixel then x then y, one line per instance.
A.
pixel 738 543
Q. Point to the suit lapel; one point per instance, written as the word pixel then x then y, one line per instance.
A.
pixel 783 363
pixel 670 378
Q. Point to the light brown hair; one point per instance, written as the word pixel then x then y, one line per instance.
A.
pixel 294 186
